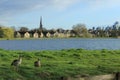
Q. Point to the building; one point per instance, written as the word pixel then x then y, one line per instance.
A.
pixel 40 33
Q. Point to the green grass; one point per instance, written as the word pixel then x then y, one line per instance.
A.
pixel 58 63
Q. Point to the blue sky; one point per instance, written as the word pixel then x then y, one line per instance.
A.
pixel 59 13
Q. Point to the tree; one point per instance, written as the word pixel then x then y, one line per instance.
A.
pixel 80 30
pixel 38 30
pixel 1 32
pixel 6 32
pixel 23 29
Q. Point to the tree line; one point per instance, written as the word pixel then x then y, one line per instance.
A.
pixel 109 31
pixel 80 30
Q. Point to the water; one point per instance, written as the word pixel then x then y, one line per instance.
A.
pixel 58 44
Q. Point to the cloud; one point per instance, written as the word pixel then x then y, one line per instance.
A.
pixel 13 7
pixel 10 8
pixel 62 4
pixel 100 4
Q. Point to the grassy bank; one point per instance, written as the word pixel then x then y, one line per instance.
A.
pixel 57 64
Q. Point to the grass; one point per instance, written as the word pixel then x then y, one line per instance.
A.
pixel 58 63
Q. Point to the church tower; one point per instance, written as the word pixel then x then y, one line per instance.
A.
pixel 41 26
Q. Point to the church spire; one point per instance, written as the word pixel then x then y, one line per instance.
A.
pixel 41 28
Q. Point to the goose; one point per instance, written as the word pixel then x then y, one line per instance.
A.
pixel 37 63
pixel 17 62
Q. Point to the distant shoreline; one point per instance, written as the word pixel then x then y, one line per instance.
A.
pixel 56 38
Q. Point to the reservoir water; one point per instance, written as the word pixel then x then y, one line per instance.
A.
pixel 58 44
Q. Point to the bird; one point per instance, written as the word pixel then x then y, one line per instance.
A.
pixel 16 63
pixel 37 63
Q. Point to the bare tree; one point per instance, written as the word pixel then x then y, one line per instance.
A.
pixel 80 30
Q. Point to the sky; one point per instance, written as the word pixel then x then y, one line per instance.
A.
pixel 59 13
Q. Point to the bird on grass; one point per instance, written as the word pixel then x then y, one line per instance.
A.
pixel 16 63
pixel 37 63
